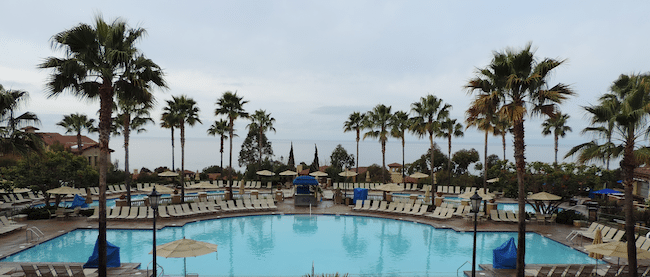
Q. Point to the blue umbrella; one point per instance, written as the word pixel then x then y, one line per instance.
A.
pixel 305 180
pixel 607 191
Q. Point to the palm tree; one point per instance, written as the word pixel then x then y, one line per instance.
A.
pixel 96 62
pixel 523 90
pixel 131 116
pixel 593 150
pixel 12 139
pixel 428 114
pixel 355 123
pixel 449 128
pixel 263 122
pixel 219 127
pixel 76 123
pixel 399 124
pixel 377 121
pixel 557 126
pixel 627 107
pixel 170 120
pixel 232 106
pixel 187 112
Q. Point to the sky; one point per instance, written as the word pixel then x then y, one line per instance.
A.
pixel 310 64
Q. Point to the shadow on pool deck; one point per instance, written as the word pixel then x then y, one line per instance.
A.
pixel 16 241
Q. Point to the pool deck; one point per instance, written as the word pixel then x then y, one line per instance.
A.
pixel 51 228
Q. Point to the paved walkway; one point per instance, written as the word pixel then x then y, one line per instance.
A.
pixel 52 228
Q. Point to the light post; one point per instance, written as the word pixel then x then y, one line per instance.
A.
pixel 154 198
pixel 475 201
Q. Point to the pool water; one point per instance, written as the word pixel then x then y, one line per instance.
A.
pixel 275 245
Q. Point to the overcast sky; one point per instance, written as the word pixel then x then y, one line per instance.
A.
pixel 312 63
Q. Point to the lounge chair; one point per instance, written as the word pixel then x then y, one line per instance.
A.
pixel 77 271
pixel 544 271
pixel 60 270
pixel 382 206
pixel 246 203
pixel 265 204
pixel 142 212
pixel 209 207
pixel 11 223
pixel 374 206
pixel 133 214
pixel 366 205
pixel 494 215
pixel 609 237
pixel 407 208
pixel 95 214
pixel 558 271
pixel 162 212
pixel 504 216
pixel 587 270
pixel 29 270
pixel 397 208
pixel 646 244
pixel 233 207
pixel 358 205
pixel 457 190
pixel 444 214
pixel 435 212
pixel 194 209
pixel 257 205
pixel 414 209
pixel 44 270
pixel 111 213
pixel 187 210
pixel 271 203
pixel 510 215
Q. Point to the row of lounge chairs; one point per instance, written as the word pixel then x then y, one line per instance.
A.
pixel 578 270
pixel 8 226
pixel 608 234
pixel 503 216
pixel 394 207
pixel 58 270
pixel 188 209
pixel 19 199
pixel 373 186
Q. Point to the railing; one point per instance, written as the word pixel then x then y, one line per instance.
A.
pixel 457 270
pixel 31 232
pixel 160 271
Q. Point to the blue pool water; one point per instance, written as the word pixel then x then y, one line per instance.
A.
pixel 274 245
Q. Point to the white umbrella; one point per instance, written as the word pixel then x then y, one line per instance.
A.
pixel 418 175
pixel 160 189
pixel 494 180
pixel 318 174
pixel 265 173
pixel 168 174
pixel 184 248
pixel 288 173
pixel 65 190
pixel 348 173
pixel 544 196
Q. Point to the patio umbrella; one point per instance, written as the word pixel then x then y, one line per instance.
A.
pixel 168 174
pixel 418 175
pixel 160 189
pixel 493 180
pixel 265 173
pixel 347 173
pixel 184 248
pixel 607 191
pixel 616 249
pixel 64 190
pixel 318 174
pixel 390 187
pixel 598 239
pixel 288 173
pixel 468 195
pixel 544 196
pixel 203 185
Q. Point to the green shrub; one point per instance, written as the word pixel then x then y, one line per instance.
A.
pixel 34 213
pixel 568 216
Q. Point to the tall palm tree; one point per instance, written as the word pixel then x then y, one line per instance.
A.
pixel 377 121
pixel 219 127
pixel 263 122
pixel 355 123
pixel 524 91
pixel 232 106
pixel 400 123
pixel 77 123
pixel 428 114
pixel 594 150
pixel 448 129
pixel 95 63
pixel 170 120
pixel 187 112
pixel 131 116
pixel 556 125
pixel 627 106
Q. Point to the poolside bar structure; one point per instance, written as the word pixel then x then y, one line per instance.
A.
pixel 305 195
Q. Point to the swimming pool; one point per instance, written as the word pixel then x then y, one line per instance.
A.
pixel 274 245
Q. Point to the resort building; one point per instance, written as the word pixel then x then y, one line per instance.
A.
pixel 642 182
pixel 89 147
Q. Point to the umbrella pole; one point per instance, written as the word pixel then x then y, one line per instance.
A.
pixel 184 266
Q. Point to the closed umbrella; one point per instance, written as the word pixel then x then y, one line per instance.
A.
pixel 65 190
pixel 160 189
pixel 418 175
pixel 598 239
pixel 184 248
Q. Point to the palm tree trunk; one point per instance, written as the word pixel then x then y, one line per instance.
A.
pixel 127 179
pixel 106 107
pixel 627 165
pixel 383 161
pixel 173 167
pixel 79 142
pixel 221 151
pixel 259 145
pixel 403 164
pixel 520 165
pixel 449 155
pixel 556 149
pixel 431 156
pixel 485 165
pixel 358 131
pixel 182 161
pixel 230 160
pixel 503 140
